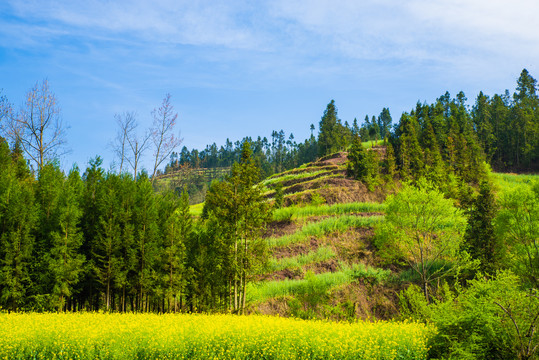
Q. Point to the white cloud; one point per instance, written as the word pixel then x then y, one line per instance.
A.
pixel 181 22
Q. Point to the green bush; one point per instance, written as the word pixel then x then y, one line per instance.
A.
pixel 490 319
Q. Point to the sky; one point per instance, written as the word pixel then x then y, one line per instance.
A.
pixel 245 68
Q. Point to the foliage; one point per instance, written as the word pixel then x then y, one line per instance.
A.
pixel 481 240
pixel 237 212
pixel 518 225
pixel 489 319
pixel 422 227
pixel 363 164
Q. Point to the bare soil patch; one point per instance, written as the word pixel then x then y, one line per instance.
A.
pixel 296 249
pixel 330 265
pixel 280 228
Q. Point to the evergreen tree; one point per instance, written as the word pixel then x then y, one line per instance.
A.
pixel 483 125
pixel 65 263
pixel 93 177
pixel 363 164
pixel 385 123
pixel 480 238
pixel 177 230
pixel 240 214
pixel 328 137
pixel 434 167
pixel 147 242
pixel 125 276
pixel 18 218
pixel 107 243
pixel 409 155
pixel 48 192
pixel 525 117
pixel 390 162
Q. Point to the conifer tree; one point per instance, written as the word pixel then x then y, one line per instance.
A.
pixel 481 240
pixel 410 156
pixel 48 192
pixel 177 230
pixel 107 243
pixel 240 214
pixel 93 178
pixel 65 263
pixel 147 242
pixel 18 218
pixel 328 137
pixel 434 167
pixel 363 164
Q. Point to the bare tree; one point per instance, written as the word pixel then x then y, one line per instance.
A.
pixel 132 143
pixel 5 113
pixel 38 127
pixel 126 124
pixel 162 133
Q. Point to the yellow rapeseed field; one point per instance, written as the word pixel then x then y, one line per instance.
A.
pixel 151 336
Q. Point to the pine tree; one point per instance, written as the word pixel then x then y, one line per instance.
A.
pixel 48 192
pixel 18 218
pixel 328 137
pixel 107 243
pixel 363 164
pixel 410 156
pixel 480 237
pixel 125 276
pixel 93 178
pixel 147 241
pixel 434 167
pixel 65 263
pixel 390 162
pixel 385 123
pixel 240 213
pixel 177 230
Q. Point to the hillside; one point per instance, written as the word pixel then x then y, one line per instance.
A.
pixel 323 262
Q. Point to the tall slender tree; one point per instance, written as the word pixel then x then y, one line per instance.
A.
pixel 162 133
pixel 65 262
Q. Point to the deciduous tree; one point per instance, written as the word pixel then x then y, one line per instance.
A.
pixel 425 230
pixel 38 126
pixel 162 133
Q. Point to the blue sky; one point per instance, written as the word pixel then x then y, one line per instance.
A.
pixel 244 68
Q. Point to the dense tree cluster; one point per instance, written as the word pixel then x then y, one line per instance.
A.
pixel 272 156
pixel 103 240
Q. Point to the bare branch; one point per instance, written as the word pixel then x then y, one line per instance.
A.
pixel 126 125
pixel 129 146
pixel 38 127
pixel 162 133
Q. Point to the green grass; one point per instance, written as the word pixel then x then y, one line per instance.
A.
pixel 506 182
pixel 316 283
pixel 196 209
pixel 369 144
pixel 295 212
pixel 312 284
pixel 321 254
pixel 320 180
pixel 324 227
pixel 294 176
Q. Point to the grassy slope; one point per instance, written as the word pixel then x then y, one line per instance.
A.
pixel 322 259
pixel 323 263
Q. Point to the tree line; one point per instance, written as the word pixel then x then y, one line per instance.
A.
pixel 102 240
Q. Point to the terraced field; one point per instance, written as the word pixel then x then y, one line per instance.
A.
pixel 323 263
